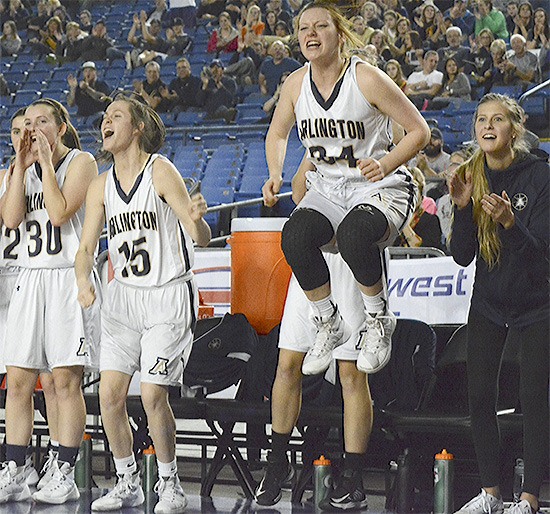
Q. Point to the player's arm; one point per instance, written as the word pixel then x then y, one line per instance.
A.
pixel 2 191
pixel 62 204
pixel 299 180
pixel 277 135
pixel 93 225
pixel 381 92
pixel 190 211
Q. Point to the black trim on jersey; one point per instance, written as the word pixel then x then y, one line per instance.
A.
pixel 38 168
pixel 410 187
pixel 127 198
pixel 327 104
pixel 192 305
pixel 184 247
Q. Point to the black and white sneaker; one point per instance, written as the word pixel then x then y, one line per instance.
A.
pixel 348 493
pixel 277 475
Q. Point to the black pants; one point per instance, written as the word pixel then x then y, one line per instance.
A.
pixel 485 347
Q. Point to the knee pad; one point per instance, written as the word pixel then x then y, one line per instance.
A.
pixel 304 234
pixel 357 237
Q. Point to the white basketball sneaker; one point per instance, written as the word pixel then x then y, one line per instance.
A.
pixel 46 473
pixel 172 499
pixel 375 342
pixel 126 493
pixel 13 487
pixel 61 488
pixel 31 475
pixel 332 332
pixel 483 503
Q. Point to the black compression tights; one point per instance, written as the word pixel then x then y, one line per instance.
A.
pixel 485 347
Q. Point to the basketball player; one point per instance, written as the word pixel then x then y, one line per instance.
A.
pixel 359 194
pixel 44 199
pixel 151 305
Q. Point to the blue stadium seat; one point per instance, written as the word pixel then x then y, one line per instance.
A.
pixel 189 118
pixel 251 185
pixel 25 97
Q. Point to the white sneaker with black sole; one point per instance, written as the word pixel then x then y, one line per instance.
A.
pixel 332 332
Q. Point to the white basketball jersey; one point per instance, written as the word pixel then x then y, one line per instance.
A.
pixel 43 245
pixel 339 131
pixel 148 245
pixel 10 240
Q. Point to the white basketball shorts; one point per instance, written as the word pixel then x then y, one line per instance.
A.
pixel 46 326
pixel 148 330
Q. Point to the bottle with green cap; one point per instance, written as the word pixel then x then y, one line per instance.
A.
pixel 443 483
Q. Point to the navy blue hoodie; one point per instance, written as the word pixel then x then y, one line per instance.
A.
pixel 515 291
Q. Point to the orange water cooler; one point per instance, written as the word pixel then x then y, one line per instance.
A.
pixel 259 271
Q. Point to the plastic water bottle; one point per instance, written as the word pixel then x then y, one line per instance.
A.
pixel 149 472
pixel 322 480
pixel 518 479
pixel 83 465
pixel 443 483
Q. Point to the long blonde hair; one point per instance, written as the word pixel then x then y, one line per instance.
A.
pixel 487 230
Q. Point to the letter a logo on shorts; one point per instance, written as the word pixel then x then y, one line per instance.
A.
pixel 160 368
pixel 83 348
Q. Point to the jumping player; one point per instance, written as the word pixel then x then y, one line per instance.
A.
pixel 358 191
pixel 151 305
pixel 45 200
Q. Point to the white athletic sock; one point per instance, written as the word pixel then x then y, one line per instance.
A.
pixel 126 465
pixel 376 304
pixel 167 469
pixel 324 308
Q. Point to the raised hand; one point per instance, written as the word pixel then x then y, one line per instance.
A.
pixel 460 190
pixel 499 208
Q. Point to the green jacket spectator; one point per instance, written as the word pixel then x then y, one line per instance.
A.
pixel 489 18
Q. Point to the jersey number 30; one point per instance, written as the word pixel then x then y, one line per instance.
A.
pixel 133 258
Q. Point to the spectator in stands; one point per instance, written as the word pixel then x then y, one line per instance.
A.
pixel 425 84
pixel 17 13
pixel 361 28
pixel 280 11
pixel 98 46
pixel 161 13
pixel 186 10
pixel 182 91
pixel 218 93
pixel 461 17
pixel 369 11
pixel 4 86
pixel 397 48
pixel 38 23
pixel 209 10
pixel 456 86
pixel 480 60
pixel 430 25
pixel 378 39
pixel 153 90
pixel 61 13
pixel 521 66
pixel 454 49
pixel 70 49
pixel 443 202
pixel 149 45
pixel 85 23
pixel 488 17
pixel 394 71
pixel 179 42
pixel 282 32
pixel 270 22
pixel 273 68
pixel 254 26
pixel 90 95
pixel 424 228
pixel 10 42
pixel 390 26
pixel 539 36
pixel 524 22
pixel 432 160
pixel 499 74
pixel 414 52
pixel 225 38
pixel 501 219
pixel 269 105
pixel 512 10
pixel 49 38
